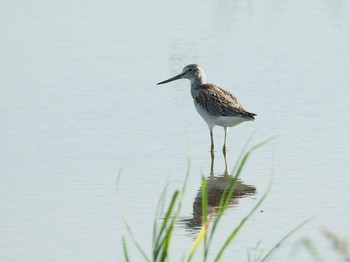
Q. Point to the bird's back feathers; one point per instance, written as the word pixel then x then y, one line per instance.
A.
pixel 219 102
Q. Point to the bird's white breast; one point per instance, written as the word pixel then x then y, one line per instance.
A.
pixel 211 120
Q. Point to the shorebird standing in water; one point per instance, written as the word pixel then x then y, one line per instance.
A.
pixel 217 106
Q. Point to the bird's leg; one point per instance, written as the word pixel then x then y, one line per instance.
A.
pixel 212 163
pixel 224 147
pixel 212 140
pixel 226 172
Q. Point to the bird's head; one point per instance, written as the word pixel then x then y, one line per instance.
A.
pixel 193 72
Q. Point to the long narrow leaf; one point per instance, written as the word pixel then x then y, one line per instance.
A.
pixel 204 213
pixel 204 200
pixel 160 207
pixel 142 252
pixel 285 238
pixel 243 221
pixel 167 238
pixel 205 222
pixel 161 238
pixel 242 152
pixel 164 235
pixel 340 244
pixel 168 235
pixel 201 235
pixel 310 246
pixel 224 201
pixel 125 250
pixel 245 158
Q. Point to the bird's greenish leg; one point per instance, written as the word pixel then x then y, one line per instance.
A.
pixel 212 163
pixel 226 172
pixel 224 147
pixel 212 140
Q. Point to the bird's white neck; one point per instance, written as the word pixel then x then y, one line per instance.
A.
pixel 196 82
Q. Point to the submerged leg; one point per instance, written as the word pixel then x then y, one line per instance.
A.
pixel 226 172
pixel 224 147
pixel 212 140
pixel 212 163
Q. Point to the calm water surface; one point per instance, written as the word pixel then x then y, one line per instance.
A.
pixel 79 103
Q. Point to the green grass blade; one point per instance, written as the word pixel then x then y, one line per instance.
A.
pixel 204 200
pixel 340 244
pixel 243 221
pixel 246 156
pixel 202 234
pixel 125 250
pixel 224 202
pixel 245 146
pixel 168 235
pixel 257 251
pixel 170 210
pixel 228 192
pixel 142 252
pixel 161 239
pixel 160 207
pixel 310 246
pixel 284 239
pixel 167 238
pixel 164 235
pixel 204 213
pixel 184 186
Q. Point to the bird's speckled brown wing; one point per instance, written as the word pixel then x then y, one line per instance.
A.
pixel 219 102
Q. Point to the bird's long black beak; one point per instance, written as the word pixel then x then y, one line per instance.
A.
pixel 171 79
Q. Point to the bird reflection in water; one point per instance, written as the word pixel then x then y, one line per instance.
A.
pixel 215 188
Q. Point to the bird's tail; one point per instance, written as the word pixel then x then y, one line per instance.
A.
pixel 250 116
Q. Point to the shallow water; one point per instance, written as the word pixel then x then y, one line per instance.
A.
pixel 79 103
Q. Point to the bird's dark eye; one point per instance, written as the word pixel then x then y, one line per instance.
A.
pixel 190 70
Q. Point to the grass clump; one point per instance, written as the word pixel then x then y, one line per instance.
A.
pixel 163 232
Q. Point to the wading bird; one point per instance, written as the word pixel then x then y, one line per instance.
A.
pixel 217 106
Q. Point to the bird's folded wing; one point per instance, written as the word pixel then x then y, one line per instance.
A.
pixel 219 102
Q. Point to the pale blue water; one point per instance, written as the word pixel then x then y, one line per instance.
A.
pixel 79 102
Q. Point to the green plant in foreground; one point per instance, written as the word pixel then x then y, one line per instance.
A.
pixel 339 243
pixel 162 232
